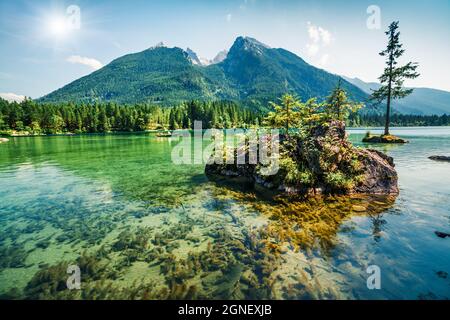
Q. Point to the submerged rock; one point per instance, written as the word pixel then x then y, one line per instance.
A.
pixel 384 139
pixel 3 140
pixel 358 208
pixel 442 234
pixel 439 158
pixel 322 162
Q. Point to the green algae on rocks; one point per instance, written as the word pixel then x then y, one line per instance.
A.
pixel 322 161
pixel 385 138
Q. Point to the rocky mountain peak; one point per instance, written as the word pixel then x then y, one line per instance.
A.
pixel 222 55
pixel 248 44
pixel 193 57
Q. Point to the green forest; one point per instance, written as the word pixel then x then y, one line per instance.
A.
pixel 30 117
pixel 397 120
pixel 38 118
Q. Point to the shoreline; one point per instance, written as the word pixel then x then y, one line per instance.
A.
pixel 70 134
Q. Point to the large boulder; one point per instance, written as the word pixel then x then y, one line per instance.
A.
pixel 380 176
pixel 322 161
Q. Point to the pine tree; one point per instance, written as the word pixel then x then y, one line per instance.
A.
pixel 338 106
pixel 393 77
pixel 286 114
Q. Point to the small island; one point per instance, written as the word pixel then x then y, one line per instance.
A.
pixel 315 155
pixel 392 81
pixel 385 138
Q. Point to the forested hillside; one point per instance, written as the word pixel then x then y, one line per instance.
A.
pixel 252 74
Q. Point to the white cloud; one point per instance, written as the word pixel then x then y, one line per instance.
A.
pixel 325 35
pixel 228 17
pixel 12 97
pixel 319 35
pixel 312 49
pixel 90 62
pixel 313 33
pixel 319 38
pixel 323 61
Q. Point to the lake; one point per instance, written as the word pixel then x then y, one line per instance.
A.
pixel 139 226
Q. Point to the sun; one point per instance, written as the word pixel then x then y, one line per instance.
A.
pixel 57 26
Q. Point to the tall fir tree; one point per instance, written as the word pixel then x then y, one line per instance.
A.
pixel 393 76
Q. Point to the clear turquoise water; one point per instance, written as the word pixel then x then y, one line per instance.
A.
pixel 66 197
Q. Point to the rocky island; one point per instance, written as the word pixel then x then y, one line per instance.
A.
pixel 321 162
pixel 386 138
pixel 440 158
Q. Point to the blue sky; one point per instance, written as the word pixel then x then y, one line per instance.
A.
pixel 39 56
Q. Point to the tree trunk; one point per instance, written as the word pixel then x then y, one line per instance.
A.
pixel 287 120
pixel 388 107
pixel 388 112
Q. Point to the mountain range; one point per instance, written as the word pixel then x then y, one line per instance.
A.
pixel 422 101
pixel 205 62
pixel 250 73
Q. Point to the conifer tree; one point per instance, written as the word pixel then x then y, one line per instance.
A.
pixel 338 106
pixel 393 76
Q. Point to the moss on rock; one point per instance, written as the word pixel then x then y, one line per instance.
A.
pixel 387 138
pixel 320 161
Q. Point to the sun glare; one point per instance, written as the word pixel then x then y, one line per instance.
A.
pixel 57 26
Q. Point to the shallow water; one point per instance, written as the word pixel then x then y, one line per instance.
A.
pixel 141 227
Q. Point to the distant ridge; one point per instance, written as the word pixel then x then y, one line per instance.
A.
pixel 423 101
